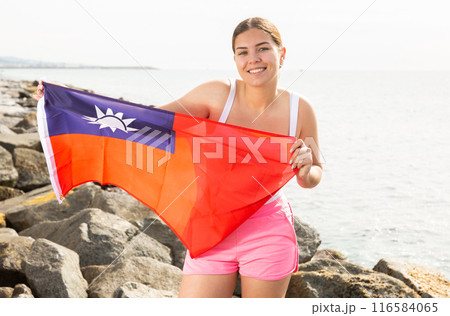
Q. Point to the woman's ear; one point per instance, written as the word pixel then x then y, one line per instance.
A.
pixel 283 56
pixel 283 53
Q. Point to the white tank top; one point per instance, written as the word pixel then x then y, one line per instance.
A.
pixel 293 114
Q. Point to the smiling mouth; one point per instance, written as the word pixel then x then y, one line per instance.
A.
pixel 256 70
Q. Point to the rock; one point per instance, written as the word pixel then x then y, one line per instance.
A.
pixel 53 271
pixel 157 229
pixel 32 130
pixel 7 193
pixel 328 254
pixel 8 174
pixel 30 141
pixel 6 231
pixel 28 121
pixel 91 272
pixel 9 121
pixel 18 130
pixel 27 103
pixel 35 195
pixel 6 101
pixel 139 290
pixel 425 281
pixel 121 204
pixel 12 110
pixel 6 292
pixel 32 169
pixel 2 220
pixel 12 91
pixel 13 251
pixel 325 278
pixel 308 240
pixel 24 94
pixel 22 291
pixel 5 130
pixel 43 206
pixel 99 238
pixel 148 271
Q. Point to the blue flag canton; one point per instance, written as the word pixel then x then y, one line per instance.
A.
pixel 71 111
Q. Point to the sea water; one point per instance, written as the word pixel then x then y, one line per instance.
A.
pixel 385 144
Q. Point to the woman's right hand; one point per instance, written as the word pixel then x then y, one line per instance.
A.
pixel 39 91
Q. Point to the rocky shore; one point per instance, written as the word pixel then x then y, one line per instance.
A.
pixel 101 242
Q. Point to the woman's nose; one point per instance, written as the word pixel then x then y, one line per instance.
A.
pixel 254 57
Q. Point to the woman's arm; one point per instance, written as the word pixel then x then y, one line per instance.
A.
pixel 306 152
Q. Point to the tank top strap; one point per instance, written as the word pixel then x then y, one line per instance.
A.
pixel 230 100
pixel 293 113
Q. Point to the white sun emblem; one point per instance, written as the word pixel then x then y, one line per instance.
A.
pixel 111 120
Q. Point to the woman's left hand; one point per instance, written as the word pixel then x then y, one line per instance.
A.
pixel 301 158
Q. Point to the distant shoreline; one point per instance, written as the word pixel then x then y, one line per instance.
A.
pixel 88 67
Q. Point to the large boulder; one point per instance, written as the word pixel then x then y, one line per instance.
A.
pixel 99 238
pixel 8 174
pixel 325 278
pixel 32 169
pixel 90 273
pixel 43 206
pixel 425 281
pixel 5 130
pixel 35 196
pixel 157 229
pixel 144 270
pixel 328 254
pixel 13 251
pixel 28 121
pixel 139 290
pixel 6 292
pixel 8 193
pixel 12 110
pixel 122 204
pixel 9 121
pixel 6 231
pixel 29 140
pixel 27 103
pixel 54 271
pixel 308 240
pixel 22 291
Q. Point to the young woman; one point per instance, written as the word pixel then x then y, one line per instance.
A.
pixel 264 249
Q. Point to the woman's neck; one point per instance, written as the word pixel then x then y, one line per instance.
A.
pixel 258 98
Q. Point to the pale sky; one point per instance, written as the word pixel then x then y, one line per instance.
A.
pixel 391 34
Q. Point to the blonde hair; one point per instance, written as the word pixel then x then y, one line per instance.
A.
pixel 261 24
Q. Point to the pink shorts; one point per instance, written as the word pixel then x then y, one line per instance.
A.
pixel 263 247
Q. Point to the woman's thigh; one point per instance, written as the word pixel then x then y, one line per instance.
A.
pixel 251 287
pixel 201 285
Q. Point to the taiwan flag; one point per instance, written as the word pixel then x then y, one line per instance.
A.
pixel 203 178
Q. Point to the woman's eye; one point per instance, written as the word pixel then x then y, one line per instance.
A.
pixel 263 48
pixel 242 53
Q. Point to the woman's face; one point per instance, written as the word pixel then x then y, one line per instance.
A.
pixel 257 57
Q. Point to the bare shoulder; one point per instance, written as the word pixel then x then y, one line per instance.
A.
pixel 305 104
pixel 305 110
pixel 202 100
pixel 306 119
pixel 213 88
